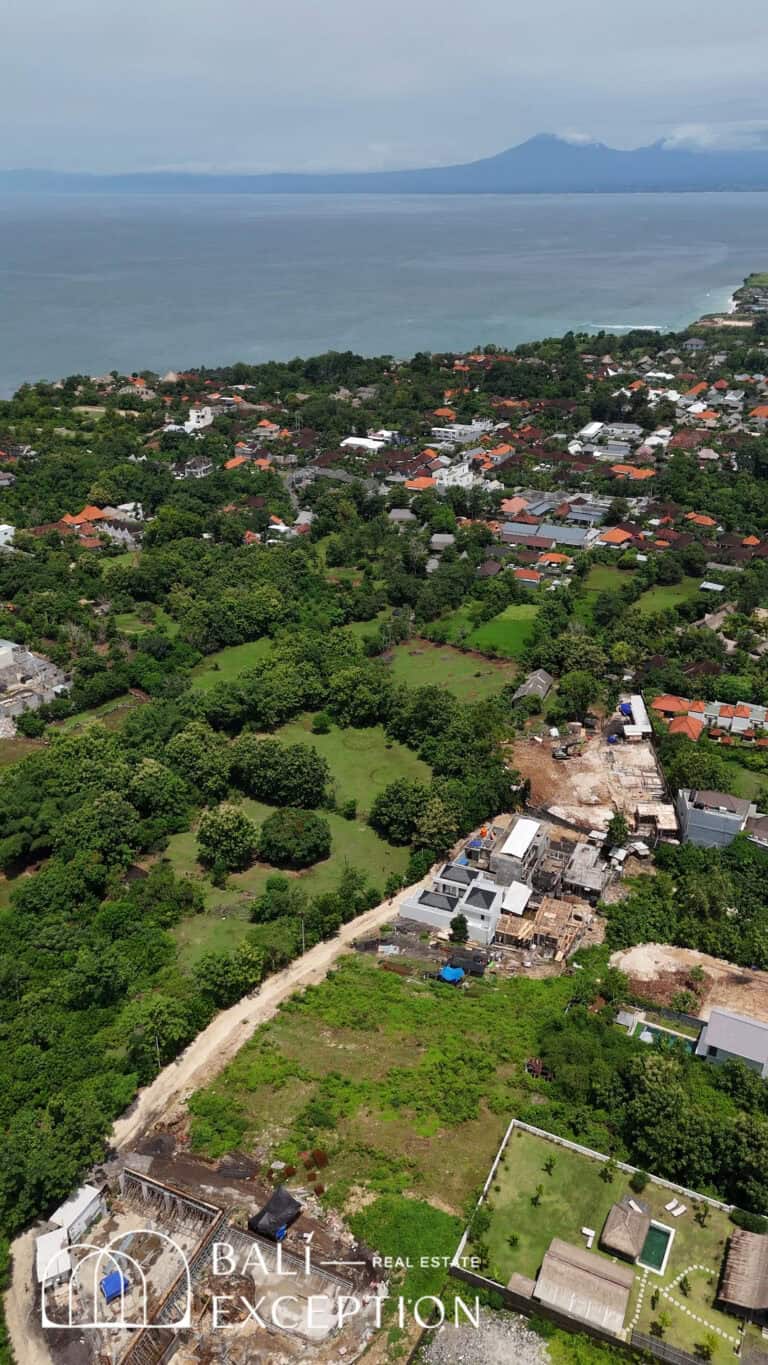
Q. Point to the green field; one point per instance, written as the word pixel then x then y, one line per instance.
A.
pixel 13 750
pixel 361 761
pixel 606 578
pixel 369 1044
pixel 418 663
pixel 744 782
pixel 506 634
pixel 227 664
pixel 111 714
pixel 225 920
pixel 573 1195
pixel 664 596
pixel 123 561
pixel 130 623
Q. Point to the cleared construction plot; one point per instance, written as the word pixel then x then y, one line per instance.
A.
pixel 658 972
pixel 587 789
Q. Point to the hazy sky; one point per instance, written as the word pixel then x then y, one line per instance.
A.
pixel 326 84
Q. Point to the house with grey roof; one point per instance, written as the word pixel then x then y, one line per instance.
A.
pixel 537 684
pixel 728 1037
pixel 574 536
pixel 457 890
pixel 711 819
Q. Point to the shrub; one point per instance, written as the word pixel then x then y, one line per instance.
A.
pixel 294 838
pixel 321 723
pixel 750 1222
pixel 639 1181
pixel 226 839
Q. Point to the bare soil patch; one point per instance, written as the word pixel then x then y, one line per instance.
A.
pixel 658 971
pixel 588 788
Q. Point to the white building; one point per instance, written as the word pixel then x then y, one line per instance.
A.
pixel 457 890
pixel 459 475
pixel 198 419
pixel 461 432
pixel 517 852
pixel 728 1037
pixel 53 1263
pixel 369 443
pixel 77 1214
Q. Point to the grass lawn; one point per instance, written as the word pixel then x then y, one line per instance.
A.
pixel 123 561
pixel 111 714
pixel 664 596
pixel 362 762
pixel 130 623
pixel 744 782
pixel 226 664
pixel 507 633
pixel 574 1196
pixel 418 663
pixel 225 920
pixel 13 750
pixel 606 578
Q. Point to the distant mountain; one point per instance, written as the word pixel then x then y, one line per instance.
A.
pixel 545 164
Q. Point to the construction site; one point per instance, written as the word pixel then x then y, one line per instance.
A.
pixel 185 1260
pixel 584 780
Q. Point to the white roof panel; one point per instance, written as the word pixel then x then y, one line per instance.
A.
pixel 52 1256
pixel 75 1207
pixel 519 840
pixel 515 898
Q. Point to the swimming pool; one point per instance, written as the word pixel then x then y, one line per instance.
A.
pixel 656 1035
pixel 656 1248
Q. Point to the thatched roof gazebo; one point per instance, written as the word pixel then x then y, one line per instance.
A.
pixel 625 1230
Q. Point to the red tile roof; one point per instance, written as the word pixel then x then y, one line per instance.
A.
pixel 686 725
pixel 669 704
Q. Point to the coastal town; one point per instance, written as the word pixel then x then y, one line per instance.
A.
pixel 384 824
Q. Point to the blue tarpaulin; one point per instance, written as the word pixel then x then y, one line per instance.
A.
pixel 113 1285
pixel 453 975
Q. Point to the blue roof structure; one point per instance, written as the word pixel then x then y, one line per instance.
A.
pixel 113 1285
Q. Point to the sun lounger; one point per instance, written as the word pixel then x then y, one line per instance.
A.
pixel 589 1233
pixel 634 1206
pixel 671 1206
pixel 681 1208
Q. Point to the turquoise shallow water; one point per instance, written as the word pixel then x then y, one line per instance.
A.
pixel 91 283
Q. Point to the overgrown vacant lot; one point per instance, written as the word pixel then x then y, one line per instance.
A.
pixel 507 633
pixel 406 1084
pixel 607 578
pixel 131 623
pixel 572 1195
pixel 418 663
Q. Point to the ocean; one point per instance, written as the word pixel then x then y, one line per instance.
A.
pixel 99 282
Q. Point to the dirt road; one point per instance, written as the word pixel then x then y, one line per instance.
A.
pixel 217 1044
